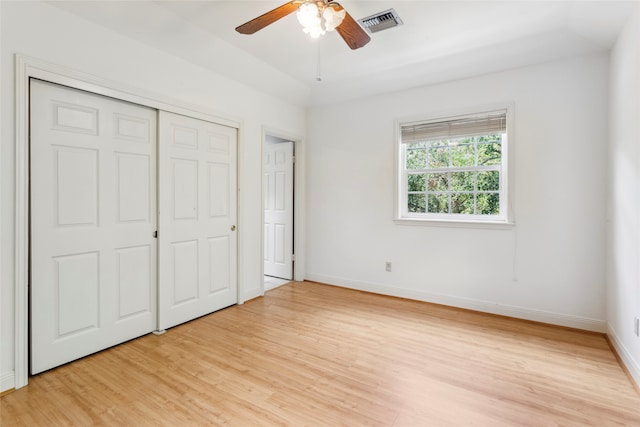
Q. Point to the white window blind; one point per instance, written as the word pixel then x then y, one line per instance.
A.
pixel 479 124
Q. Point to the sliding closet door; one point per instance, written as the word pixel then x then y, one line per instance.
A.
pixel 93 215
pixel 197 198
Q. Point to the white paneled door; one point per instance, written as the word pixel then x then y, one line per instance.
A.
pixel 278 209
pixel 93 215
pixel 197 199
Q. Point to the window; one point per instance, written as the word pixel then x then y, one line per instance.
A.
pixel 454 169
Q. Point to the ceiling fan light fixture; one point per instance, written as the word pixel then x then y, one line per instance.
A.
pixel 318 17
pixel 332 18
pixel 310 19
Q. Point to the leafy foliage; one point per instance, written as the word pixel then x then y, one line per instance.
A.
pixel 450 188
pixel 416 203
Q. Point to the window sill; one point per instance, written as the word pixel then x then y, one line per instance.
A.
pixel 501 225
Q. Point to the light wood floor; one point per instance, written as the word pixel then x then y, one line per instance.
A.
pixel 315 355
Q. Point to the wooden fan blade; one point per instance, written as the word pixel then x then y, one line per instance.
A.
pixel 268 18
pixel 350 31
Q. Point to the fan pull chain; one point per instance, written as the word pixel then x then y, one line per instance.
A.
pixel 318 69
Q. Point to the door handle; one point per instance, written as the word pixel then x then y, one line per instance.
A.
pixel 233 228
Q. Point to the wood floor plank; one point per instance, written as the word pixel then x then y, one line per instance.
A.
pixel 308 354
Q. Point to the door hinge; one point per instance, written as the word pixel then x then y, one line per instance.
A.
pixel 155 234
pixel 293 159
pixel 293 257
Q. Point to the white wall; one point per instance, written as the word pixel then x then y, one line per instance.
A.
pixel 549 267
pixel 623 272
pixel 50 34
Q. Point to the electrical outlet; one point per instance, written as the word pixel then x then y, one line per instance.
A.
pixel 636 326
pixel 387 266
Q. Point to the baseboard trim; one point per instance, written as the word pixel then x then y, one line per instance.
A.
pixel 7 382
pixel 269 286
pixel 624 356
pixel 252 294
pixel 535 315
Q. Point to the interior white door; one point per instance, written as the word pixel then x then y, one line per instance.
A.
pixel 197 198
pixel 93 214
pixel 278 209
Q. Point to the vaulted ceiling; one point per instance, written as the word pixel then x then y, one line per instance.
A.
pixel 439 41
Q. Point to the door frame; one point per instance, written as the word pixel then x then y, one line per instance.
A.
pixel 26 68
pixel 299 212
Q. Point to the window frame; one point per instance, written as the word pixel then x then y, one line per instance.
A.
pixel 505 219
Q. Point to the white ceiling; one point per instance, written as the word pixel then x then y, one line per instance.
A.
pixel 439 41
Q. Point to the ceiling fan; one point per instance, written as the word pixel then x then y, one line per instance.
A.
pixel 316 17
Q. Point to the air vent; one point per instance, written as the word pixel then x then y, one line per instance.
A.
pixel 381 21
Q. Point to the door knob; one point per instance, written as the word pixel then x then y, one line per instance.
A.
pixel 233 228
